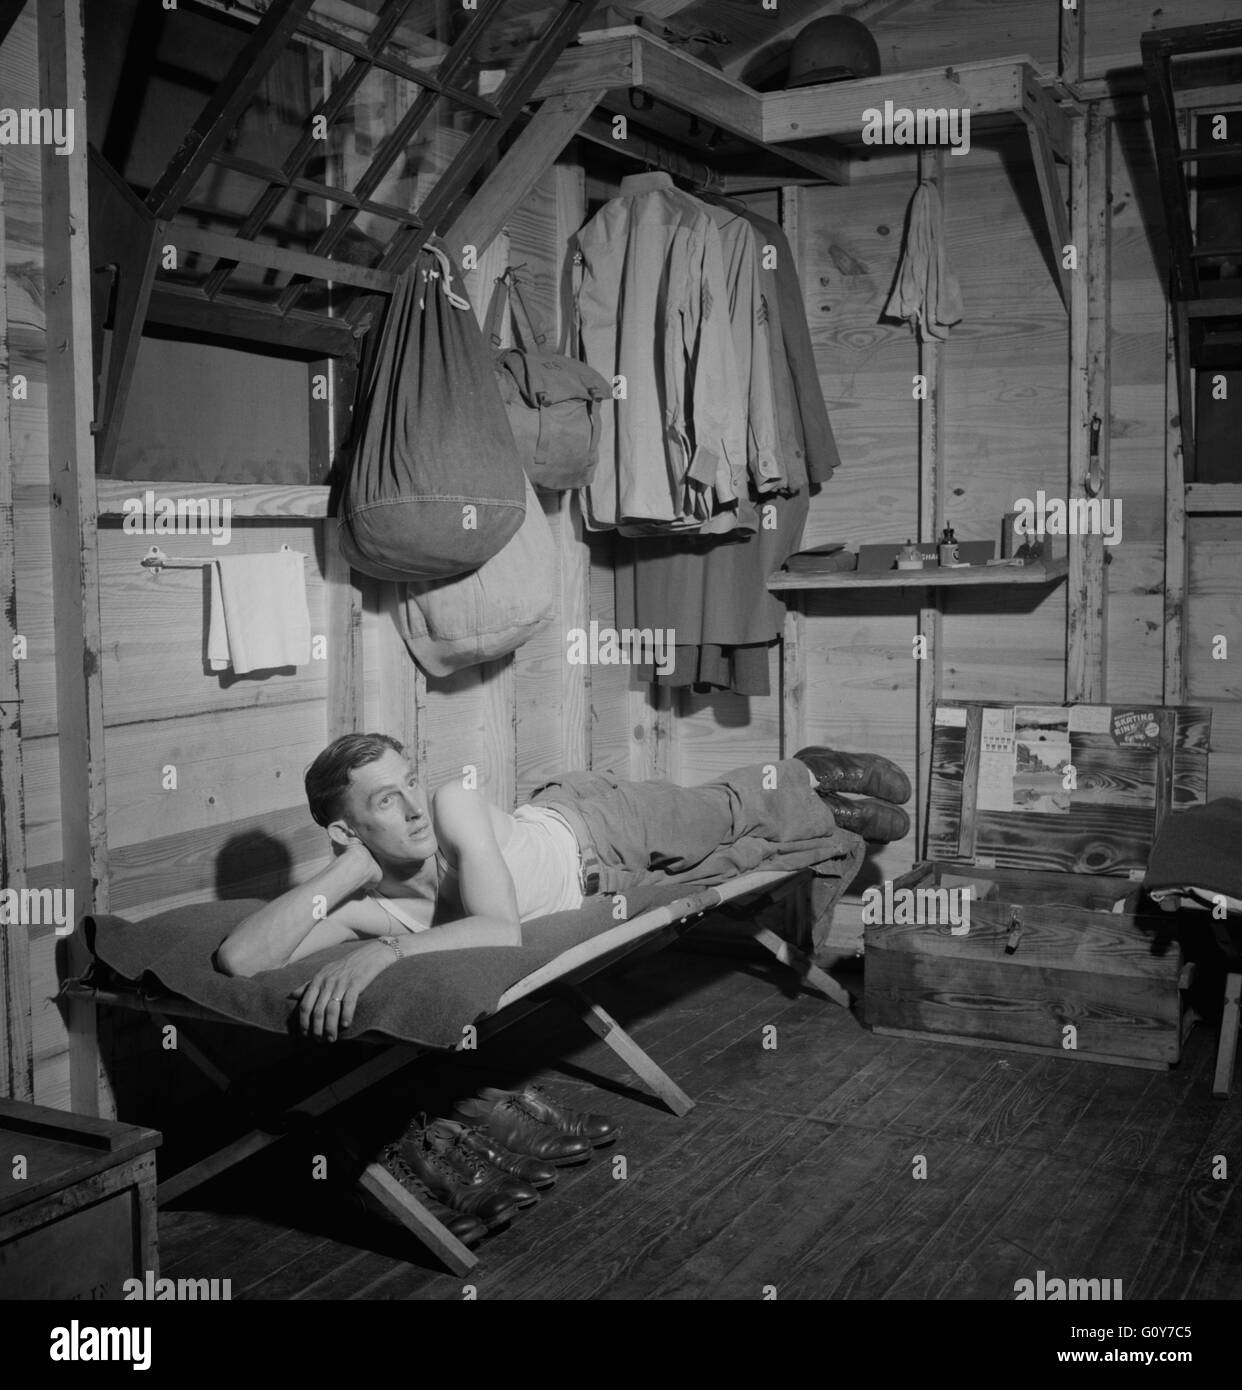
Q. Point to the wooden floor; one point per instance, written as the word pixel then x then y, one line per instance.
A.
pixel 796 1169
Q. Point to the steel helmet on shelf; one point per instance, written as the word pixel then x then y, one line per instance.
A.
pixel 832 49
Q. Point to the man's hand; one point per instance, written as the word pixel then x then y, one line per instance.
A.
pixel 331 996
pixel 359 857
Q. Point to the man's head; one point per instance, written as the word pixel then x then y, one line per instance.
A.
pixel 363 787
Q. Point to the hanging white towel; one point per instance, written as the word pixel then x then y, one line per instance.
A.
pixel 926 293
pixel 259 618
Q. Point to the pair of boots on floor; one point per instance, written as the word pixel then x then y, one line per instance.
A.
pixel 498 1151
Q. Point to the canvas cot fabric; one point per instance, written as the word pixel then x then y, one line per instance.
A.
pixel 655 842
pixel 424 999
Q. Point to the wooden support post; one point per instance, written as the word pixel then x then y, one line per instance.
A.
pixel 1222 1078
pixel 16 1051
pixel 75 558
pixel 530 156
pixel 343 599
pixel 799 910
pixel 497 679
pixel 1175 585
pixel 569 190
pixel 1070 42
pixel 806 969
pixel 793 653
pixel 1089 403
pixel 931 523
pixel 604 1026
pixel 653 725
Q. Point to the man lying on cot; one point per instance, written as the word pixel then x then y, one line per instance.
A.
pixel 473 872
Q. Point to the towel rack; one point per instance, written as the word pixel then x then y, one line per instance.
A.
pixel 155 560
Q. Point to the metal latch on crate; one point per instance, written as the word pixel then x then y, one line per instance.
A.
pixel 1015 931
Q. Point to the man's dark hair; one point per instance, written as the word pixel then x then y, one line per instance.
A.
pixel 327 778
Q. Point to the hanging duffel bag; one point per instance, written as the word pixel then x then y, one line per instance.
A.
pixel 451 623
pixel 553 401
pixel 436 486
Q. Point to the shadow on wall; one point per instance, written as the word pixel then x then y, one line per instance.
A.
pixel 253 865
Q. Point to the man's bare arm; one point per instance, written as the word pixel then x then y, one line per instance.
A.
pixel 307 918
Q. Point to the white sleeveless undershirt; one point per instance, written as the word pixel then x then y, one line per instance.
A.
pixel 543 859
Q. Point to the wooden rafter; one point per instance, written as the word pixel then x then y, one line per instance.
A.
pixel 531 155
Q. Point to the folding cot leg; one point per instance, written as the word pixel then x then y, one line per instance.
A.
pixel 219 1162
pixel 1229 1024
pixel 602 1023
pixel 807 970
pixel 405 1208
pixel 252 1142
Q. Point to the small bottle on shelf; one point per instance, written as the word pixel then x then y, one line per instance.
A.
pixel 909 557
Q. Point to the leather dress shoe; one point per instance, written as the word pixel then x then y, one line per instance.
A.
pixel 863 774
pixel 468 1229
pixel 873 820
pixel 525 1170
pixel 599 1129
pixel 475 1192
pixel 449 1140
pixel 510 1124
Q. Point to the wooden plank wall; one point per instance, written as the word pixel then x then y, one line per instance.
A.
pixel 1004 404
pixel 19 70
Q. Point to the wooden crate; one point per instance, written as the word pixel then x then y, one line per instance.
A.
pixel 1078 978
pixel 83 1218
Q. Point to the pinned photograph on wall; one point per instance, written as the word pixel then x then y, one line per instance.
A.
pixel 1022 760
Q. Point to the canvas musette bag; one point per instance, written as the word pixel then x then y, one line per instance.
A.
pixel 553 401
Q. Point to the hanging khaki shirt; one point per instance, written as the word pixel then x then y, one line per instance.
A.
pixel 653 308
pixel 751 322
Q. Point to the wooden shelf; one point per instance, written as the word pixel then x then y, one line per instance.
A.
pixel 1202 499
pixel 975 576
pixel 996 90
pixel 620 59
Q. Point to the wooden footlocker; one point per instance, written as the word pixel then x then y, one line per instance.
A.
pixel 1046 815
pixel 77 1204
